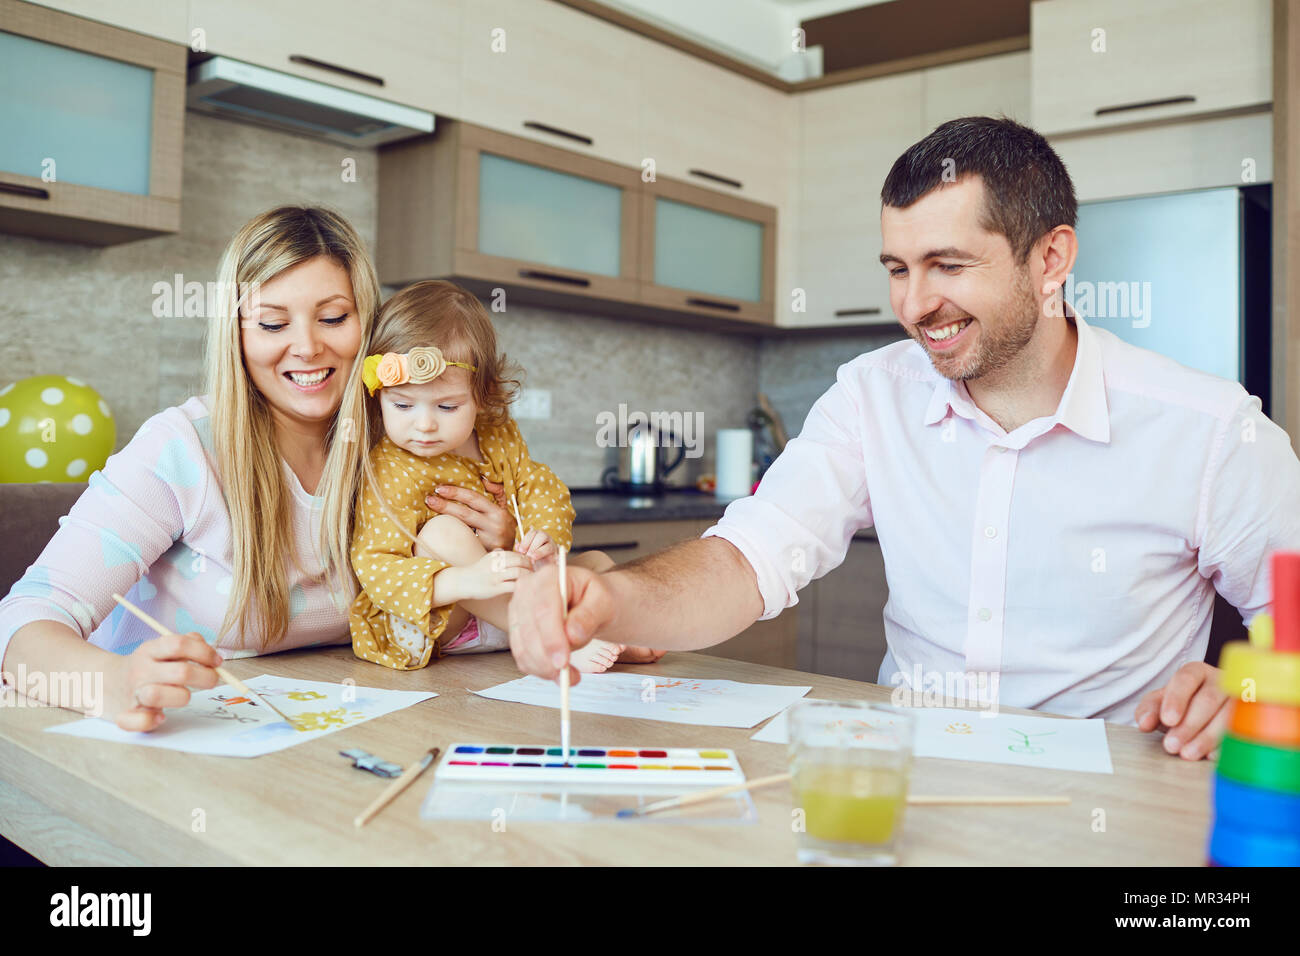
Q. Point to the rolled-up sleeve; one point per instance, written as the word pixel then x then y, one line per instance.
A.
pixel 1250 507
pixel 798 525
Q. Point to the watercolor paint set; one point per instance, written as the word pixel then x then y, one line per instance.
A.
pixel 532 763
pixel 534 782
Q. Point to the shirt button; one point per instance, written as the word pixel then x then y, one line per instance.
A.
pixel 990 532
pixel 985 614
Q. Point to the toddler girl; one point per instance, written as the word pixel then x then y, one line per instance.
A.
pixel 441 391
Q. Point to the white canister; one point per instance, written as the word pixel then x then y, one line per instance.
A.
pixel 735 462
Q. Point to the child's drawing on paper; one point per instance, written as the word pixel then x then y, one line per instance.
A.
pixel 223 723
pixel 954 734
pixel 680 700
pixel 1024 745
pixel 326 719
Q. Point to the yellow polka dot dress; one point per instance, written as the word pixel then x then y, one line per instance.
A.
pixel 397 587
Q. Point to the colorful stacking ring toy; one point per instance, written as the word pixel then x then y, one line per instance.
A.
pixel 1276 724
pixel 1256 675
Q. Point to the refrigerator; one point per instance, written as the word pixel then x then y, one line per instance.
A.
pixel 1183 274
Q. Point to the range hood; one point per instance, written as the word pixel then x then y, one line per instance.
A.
pixel 255 94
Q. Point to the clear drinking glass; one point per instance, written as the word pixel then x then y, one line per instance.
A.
pixel 849 765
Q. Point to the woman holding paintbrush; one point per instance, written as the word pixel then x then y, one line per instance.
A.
pixel 227 518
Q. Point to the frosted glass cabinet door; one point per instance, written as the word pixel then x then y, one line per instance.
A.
pixel 90 115
pixel 540 215
pixel 707 251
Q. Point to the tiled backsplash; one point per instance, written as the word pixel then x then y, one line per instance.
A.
pixel 795 372
pixel 89 313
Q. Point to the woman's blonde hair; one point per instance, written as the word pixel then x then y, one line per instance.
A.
pixel 243 433
pixel 440 313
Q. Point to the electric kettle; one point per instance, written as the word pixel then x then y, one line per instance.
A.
pixel 641 465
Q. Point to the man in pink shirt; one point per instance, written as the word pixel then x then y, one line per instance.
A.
pixel 1055 507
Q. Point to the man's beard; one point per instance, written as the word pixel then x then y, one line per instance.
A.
pixel 996 345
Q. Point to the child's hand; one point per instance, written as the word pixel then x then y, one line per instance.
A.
pixel 536 546
pixel 494 573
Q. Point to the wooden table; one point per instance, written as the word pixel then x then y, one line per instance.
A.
pixel 74 801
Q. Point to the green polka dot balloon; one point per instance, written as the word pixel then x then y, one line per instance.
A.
pixel 53 428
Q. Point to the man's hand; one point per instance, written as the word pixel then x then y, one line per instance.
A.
pixel 539 638
pixel 1192 707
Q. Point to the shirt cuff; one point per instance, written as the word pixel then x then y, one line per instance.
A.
pixel 771 588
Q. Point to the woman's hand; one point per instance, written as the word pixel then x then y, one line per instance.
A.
pixel 493 524
pixel 159 674
pixel 536 546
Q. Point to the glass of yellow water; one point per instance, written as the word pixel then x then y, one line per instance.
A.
pixel 849 764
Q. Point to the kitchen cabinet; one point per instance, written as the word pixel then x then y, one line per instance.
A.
pixel 556 227
pixel 1105 63
pixel 406 51
pixel 475 204
pixel 706 125
pixel 93 118
pixel 706 253
pixel 851 136
pixel 544 71
pixel 989 86
pixel 841 616
pixel 165 19
pixel 1198 153
pixel 772 642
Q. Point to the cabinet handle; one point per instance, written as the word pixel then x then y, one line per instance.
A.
pixel 322 65
pixel 556 131
pixel 612 546
pixel 705 174
pixel 31 192
pixel 554 277
pixel 1145 105
pixel 846 313
pixel 714 304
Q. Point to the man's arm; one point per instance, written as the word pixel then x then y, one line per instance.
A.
pixel 750 565
pixel 1250 508
pixel 695 594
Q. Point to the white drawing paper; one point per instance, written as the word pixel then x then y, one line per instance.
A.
pixel 222 722
pixel 1052 742
pixel 677 700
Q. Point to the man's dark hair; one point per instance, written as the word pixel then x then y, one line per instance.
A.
pixel 1026 187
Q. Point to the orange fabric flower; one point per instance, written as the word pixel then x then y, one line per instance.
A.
pixel 392 369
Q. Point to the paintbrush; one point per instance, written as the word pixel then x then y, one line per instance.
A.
pixel 396 787
pixel 915 799
pixel 564 674
pixel 224 674
pixel 519 522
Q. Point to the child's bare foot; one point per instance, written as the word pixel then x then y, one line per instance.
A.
pixel 595 656
pixel 639 655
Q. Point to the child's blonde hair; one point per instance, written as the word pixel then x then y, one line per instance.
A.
pixel 442 314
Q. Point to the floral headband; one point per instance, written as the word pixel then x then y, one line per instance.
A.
pixel 417 366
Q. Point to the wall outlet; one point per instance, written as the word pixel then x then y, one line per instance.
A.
pixel 533 403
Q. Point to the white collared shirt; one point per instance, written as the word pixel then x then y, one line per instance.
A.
pixel 1075 557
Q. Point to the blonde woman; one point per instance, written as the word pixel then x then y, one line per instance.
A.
pixel 228 518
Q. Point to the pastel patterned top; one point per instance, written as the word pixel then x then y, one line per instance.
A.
pixel 153 526
pixel 397 586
